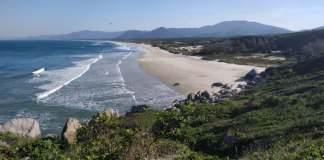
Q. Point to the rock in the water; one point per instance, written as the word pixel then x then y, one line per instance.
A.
pixel 251 74
pixel 137 108
pixel 205 94
pixel 69 132
pixel 228 139
pixel 27 128
pixel 217 84
pixel 191 97
pixel 176 84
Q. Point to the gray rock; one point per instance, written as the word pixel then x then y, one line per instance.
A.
pixel 137 108
pixel 227 86
pixel 191 97
pixel 216 94
pixel 251 83
pixel 251 74
pixel 50 136
pixel 69 132
pixel 113 114
pixel 263 74
pixel 26 158
pixel 240 86
pixel 177 105
pixel 205 94
pixel 217 84
pixel 27 128
pixel 257 77
pixel 202 98
pixel 197 96
pixel 229 139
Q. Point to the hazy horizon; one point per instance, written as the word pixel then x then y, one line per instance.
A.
pixel 33 18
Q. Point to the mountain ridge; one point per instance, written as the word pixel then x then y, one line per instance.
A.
pixel 222 29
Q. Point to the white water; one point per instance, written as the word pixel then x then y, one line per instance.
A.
pixel 39 71
pixel 60 78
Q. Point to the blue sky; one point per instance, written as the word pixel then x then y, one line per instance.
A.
pixel 21 18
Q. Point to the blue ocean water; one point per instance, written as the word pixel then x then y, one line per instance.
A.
pixel 51 81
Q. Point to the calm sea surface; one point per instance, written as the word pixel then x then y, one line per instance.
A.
pixel 51 81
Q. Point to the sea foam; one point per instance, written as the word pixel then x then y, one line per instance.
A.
pixel 60 78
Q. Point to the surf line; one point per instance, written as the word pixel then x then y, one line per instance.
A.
pixel 39 71
pixel 57 88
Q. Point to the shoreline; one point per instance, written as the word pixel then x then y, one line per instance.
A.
pixel 191 72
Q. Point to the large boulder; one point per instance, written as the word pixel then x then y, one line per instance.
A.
pixel 69 132
pixel 251 74
pixel 27 128
pixel 137 108
pixel 205 94
pixel 191 97
pixel 111 113
pixel 228 139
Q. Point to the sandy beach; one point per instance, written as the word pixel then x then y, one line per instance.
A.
pixel 193 73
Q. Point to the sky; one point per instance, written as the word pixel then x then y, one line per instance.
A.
pixel 22 18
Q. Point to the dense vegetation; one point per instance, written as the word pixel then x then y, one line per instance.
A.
pixel 280 120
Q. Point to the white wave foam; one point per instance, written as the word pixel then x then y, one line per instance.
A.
pixel 60 78
pixel 39 71
pixel 127 55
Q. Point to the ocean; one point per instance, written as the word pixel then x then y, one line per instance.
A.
pixel 51 81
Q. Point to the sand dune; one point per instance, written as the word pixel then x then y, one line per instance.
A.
pixel 193 73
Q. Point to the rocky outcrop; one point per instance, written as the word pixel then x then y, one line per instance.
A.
pixel 251 74
pixel 205 94
pixel 111 113
pixel 227 86
pixel 137 108
pixel 27 128
pixel 69 132
pixel 191 96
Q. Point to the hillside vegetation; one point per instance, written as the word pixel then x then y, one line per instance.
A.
pixel 293 47
pixel 280 120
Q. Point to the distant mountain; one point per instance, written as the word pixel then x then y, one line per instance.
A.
pixel 86 34
pixel 223 29
pixel 319 28
pixel 131 34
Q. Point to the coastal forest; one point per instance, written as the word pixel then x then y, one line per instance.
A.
pixel 283 119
